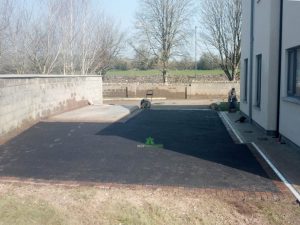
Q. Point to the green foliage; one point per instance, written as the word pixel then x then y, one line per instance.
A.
pixel 187 63
pixel 121 64
pixel 209 62
pixel 223 106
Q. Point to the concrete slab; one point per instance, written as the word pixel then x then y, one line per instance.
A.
pixel 95 113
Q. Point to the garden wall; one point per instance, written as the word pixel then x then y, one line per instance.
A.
pixel 199 90
pixel 26 99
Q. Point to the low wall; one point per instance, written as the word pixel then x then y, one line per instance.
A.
pixel 201 90
pixel 25 99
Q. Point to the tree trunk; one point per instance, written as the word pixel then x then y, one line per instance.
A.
pixel 227 72
pixel 234 73
pixel 164 73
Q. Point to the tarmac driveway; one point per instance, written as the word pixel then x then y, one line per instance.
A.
pixel 188 148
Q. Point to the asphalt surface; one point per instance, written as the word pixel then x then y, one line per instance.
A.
pixel 191 149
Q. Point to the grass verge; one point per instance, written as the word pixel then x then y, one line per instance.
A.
pixel 223 106
pixel 47 204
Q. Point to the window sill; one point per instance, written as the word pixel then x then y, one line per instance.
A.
pixel 295 100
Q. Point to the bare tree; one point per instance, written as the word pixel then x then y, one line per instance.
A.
pixel 164 26
pixel 221 23
pixel 67 23
pixel 61 36
pixel 6 8
pixel 16 57
pixel 143 59
pixel 100 43
pixel 43 44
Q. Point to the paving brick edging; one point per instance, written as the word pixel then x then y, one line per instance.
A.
pixel 182 191
pixel 275 179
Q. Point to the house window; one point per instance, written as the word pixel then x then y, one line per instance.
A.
pixel 246 80
pixel 294 72
pixel 258 79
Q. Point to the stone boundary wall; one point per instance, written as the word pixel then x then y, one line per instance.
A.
pixel 199 90
pixel 179 79
pixel 25 99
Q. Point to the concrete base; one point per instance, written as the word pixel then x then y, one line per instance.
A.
pixel 95 113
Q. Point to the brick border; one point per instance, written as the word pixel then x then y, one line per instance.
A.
pixel 272 175
pixel 229 194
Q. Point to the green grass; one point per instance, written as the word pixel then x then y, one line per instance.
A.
pixel 171 72
pixel 28 210
pixel 146 214
pixel 224 106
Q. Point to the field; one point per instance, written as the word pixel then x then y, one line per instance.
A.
pixel 171 72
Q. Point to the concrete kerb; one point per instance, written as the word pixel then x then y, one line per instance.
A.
pixel 96 114
pixel 133 111
pixel 187 191
pixel 295 193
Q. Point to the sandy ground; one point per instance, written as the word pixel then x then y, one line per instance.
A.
pixel 49 204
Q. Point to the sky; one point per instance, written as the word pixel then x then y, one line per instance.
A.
pixel 122 10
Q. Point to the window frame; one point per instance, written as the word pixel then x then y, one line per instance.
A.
pixel 258 80
pixel 246 64
pixel 292 75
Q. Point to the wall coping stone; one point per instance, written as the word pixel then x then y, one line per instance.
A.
pixel 166 84
pixel 29 76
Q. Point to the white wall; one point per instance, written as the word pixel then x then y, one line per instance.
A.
pixel 246 7
pixel 266 39
pixel 289 112
pixel 26 99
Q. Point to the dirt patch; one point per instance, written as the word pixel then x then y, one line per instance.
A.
pixel 243 208
pixel 48 204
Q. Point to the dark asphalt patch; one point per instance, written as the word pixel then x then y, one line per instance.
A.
pixel 197 152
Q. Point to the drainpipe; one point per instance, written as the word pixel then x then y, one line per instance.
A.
pixel 251 59
pixel 279 70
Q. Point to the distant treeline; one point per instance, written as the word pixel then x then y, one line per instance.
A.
pixel 206 62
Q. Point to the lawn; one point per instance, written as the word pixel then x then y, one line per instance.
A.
pixel 171 72
pixel 56 205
